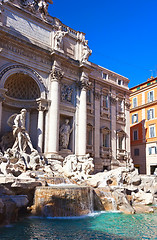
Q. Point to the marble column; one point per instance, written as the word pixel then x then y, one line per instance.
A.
pixel 82 119
pixel 53 128
pixel 42 106
pixel 97 124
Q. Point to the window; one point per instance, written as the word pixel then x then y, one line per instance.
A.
pixel 150 96
pixel 120 82
pixel 135 135
pixel 134 102
pixel 151 131
pixel 105 101
pixel 148 84
pixel 121 106
pixel 136 152
pixel 138 88
pixel 150 113
pixel 152 150
pixel 89 136
pixel 121 142
pixel 106 140
pixel 135 118
pixel 104 75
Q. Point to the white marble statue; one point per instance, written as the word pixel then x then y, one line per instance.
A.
pixel 86 52
pixel 22 140
pixel 78 167
pixel 59 35
pixel 65 132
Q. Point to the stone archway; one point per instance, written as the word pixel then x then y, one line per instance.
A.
pixel 22 86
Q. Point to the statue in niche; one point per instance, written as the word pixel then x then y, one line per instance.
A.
pixel 65 132
pixel 86 52
pixel 59 35
pixel 22 142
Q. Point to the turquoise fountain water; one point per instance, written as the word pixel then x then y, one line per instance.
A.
pixel 99 226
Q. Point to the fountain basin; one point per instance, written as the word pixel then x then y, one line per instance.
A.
pixel 63 201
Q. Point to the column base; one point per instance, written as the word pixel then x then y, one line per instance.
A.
pixel 65 152
pixel 54 156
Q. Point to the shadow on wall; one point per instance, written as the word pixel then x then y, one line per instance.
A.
pixel 138 145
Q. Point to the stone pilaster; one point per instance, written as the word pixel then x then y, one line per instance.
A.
pixel 53 128
pixel 113 100
pixel 82 118
pixel 97 124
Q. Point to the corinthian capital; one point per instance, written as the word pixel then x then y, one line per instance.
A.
pixel 84 80
pixel 56 74
pixel 113 99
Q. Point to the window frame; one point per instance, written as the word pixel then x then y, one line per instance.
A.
pixel 150 150
pixel 148 96
pixel 133 102
pixel 152 126
pixel 152 110
pixel 136 130
pixel 133 115
pixel 136 153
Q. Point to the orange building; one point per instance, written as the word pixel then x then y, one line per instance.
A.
pixel 143 123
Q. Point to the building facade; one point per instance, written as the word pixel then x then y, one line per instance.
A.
pixel 44 68
pixel 143 118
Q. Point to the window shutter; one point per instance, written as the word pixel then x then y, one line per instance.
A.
pixel 153 113
pixel 151 96
pixel 136 117
pixel 148 114
pixel 148 97
pixel 132 119
pixel 150 150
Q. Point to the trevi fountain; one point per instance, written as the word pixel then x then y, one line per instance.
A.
pixel 35 192
pixel 49 187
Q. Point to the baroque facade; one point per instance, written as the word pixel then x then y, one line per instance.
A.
pixel 143 118
pixel 73 106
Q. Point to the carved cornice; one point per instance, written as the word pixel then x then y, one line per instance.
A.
pixel 56 74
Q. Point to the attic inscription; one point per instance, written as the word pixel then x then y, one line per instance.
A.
pixel 27 28
pixel 23 52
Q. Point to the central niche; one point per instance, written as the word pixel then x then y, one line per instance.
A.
pixel 22 86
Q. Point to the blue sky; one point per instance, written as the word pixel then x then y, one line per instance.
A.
pixel 122 33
